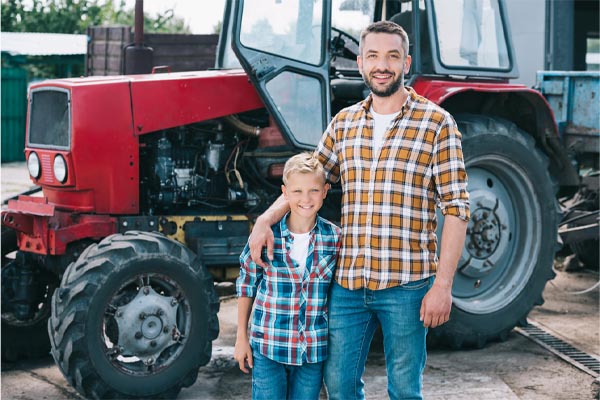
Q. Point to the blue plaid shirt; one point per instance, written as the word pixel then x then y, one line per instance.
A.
pixel 290 311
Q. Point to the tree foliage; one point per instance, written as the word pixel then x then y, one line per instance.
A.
pixel 74 16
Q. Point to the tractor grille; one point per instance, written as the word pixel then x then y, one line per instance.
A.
pixel 585 362
pixel 47 170
pixel 50 118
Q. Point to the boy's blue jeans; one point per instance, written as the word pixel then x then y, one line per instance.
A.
pixel 353 318
pixel 276 381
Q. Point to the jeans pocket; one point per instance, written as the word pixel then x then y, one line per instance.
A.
pixel 416 285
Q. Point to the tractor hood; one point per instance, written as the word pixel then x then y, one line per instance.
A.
pixel 193 96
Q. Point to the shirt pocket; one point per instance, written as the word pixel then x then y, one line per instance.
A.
pixel 326 267
pixel 279 270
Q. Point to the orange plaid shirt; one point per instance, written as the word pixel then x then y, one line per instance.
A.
pixel 388 203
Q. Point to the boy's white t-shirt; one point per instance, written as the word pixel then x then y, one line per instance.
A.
pixel 299 250
pixel 381 122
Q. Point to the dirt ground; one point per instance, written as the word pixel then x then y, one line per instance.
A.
pixel 517 368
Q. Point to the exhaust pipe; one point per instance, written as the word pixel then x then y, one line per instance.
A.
pixel 137 57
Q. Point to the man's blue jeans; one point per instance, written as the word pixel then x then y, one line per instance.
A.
pixel 276 381
pixel 353 318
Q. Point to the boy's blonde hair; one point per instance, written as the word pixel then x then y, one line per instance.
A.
pixel 303 163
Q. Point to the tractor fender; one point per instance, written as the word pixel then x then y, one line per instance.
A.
pixel 525 107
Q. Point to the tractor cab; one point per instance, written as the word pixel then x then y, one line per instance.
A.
pixel 295 50
pixel 301 58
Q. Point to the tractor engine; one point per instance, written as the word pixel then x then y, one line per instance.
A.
pixel 209 165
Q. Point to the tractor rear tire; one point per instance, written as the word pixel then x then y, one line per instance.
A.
pixel 134 318
pixel 511 237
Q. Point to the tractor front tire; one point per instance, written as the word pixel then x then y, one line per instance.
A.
pixel 134 317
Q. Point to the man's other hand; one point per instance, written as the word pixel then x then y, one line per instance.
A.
pixel 436 305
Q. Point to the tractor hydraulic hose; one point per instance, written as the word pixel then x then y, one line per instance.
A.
pixel 246 129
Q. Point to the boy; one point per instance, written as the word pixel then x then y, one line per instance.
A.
pixel 288 340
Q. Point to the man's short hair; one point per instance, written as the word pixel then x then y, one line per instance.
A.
pixel 385 27
pixel 303 163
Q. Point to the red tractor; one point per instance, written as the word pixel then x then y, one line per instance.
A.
pixel 150 182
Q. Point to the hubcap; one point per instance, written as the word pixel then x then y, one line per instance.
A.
pixel 153 316
pixel 147 324
pixel 503 236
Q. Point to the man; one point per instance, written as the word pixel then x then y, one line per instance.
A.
pixel 397 155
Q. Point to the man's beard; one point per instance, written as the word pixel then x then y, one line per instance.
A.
pixel 387 91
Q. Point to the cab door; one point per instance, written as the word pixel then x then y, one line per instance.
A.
pixel 281 46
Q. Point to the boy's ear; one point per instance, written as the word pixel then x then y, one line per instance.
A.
pixel 283 191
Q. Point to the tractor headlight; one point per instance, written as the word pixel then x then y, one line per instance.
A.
pixel 33 165
pixel 60 168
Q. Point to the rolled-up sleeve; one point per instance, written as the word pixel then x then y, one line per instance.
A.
pixel 250 275
pixel 449 171
pixel 326 154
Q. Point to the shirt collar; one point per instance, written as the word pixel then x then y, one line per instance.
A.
pixel 285 232
pixel 368 101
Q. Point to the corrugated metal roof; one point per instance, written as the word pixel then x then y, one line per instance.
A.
pixel 42 44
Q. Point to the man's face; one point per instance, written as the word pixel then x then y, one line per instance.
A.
pixel 382 63
pixel 305 193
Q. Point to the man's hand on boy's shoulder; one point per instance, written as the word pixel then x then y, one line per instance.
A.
pixel 243 354
pixel 261 236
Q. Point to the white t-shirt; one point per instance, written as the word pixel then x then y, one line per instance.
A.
pixel 299 250
pixel 381 123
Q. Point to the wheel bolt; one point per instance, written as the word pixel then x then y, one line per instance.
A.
pixel 485 214
pixel 160 312
pixel 153 343
pixel 146 290
pixel 142 315
pixel 174 302
pixel 119 314
pixel 138 335
pixel 166 329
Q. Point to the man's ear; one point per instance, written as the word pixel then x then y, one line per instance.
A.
pixel 407 63
pixel 326 189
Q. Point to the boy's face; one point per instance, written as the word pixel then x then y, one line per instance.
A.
pixel 305 193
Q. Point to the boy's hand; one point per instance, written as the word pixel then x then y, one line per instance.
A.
pixel 243 355
pixel 261 236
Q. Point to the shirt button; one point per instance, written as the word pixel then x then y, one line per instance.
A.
pixel 368 220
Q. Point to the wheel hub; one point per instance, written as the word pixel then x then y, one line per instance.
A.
pixel 152 327
pixel 147 325
pixel 487 237
pixel 484 233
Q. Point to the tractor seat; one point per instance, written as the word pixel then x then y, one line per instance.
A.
pixel 404 19
pixel 348 90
